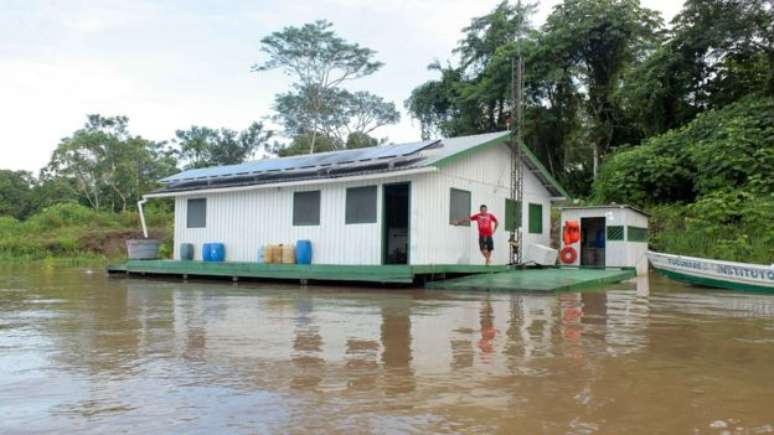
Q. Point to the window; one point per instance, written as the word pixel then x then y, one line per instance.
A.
pixel 306 208
pixel 459 207
pixel 197 213
pixel 361 205
pixel 512 214
pixel 637 234
pixel 536 219
pixel 615 233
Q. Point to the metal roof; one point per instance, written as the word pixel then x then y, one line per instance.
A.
pixel 303 162
pixel 334 164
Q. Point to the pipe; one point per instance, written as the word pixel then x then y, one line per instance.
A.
pixel 142 216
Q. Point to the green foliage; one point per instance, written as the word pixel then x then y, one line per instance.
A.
pixel 16 193
pixel 108 167
pixel 574 67
pixel 73 230
pixel 601 39
pixel 317 106
pixel 721 149
pixel 316 55
pixel 730 225
pixel 716 52
pixel 200 147
pixel 344 119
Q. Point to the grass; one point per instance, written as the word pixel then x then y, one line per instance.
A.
pixel 76 233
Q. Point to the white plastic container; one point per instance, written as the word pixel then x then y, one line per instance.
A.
pixel 543 255
pixel 143 249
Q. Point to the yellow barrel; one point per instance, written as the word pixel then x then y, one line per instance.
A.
pixel 276 254
pixel 268 254
pixel 288 254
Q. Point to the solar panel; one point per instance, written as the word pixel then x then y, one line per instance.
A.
pixel 307 161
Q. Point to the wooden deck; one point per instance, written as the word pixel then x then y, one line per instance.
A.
pixel 554 279
pixel 398 274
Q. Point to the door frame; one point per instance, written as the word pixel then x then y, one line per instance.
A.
pixel 384 222
pixel 603 219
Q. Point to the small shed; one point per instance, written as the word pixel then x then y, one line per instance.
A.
pixel 610 236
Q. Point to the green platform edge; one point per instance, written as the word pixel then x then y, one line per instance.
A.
pixel 715 283
pixel 552 279
pixel 398 274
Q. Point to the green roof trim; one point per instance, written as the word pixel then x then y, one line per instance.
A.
pixel 504 140
pixel 542 169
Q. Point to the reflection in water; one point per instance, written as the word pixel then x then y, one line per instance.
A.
pixel 83 353
pixel 309 366
pixel 396 339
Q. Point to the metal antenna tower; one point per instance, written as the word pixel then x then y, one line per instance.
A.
pixel 517 176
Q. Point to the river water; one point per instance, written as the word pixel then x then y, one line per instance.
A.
pixel 83 352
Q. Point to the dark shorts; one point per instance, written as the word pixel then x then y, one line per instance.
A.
pixel 485 243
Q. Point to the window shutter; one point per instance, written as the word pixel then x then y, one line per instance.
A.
pixel 196 214
pixel 535 219
pixel 361 205
pixel 306 208
pixel 459 206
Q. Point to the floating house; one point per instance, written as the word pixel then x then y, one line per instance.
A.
pixel 609 236
pixel 394 204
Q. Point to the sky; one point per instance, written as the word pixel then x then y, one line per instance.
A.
pixel 170 64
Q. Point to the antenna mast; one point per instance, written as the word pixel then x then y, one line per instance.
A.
pixel 517 176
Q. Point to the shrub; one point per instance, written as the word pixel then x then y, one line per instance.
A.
pixel 729 225
pixel 728 148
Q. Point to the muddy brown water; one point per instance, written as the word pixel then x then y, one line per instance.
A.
pixel 84 353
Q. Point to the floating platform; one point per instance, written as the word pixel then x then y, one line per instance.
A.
pixel 395 274
pixel 440 276
pixel 550 279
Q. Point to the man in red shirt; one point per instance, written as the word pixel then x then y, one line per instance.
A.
pixel 487 225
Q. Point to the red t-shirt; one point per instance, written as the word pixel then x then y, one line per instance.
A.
pixel 484 223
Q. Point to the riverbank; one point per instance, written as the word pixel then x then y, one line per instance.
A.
pixel 76 233
pixel 73 234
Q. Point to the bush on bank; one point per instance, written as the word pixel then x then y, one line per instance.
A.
pixel 709 184
pixel 72 230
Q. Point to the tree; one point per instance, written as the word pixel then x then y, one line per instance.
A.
pixel 321 62
pixel 715 53
pixel 16 197
pixel 475 96
pixel 106 165
pixel 345 115
pixel 200 147
pixel 601 39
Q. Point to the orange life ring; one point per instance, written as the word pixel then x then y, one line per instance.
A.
pixel 568 255
pixel 571 233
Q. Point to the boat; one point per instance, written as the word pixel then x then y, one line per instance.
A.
pixel 714 273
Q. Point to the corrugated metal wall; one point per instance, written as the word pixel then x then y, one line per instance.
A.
pixel 246 220
pixel 486 175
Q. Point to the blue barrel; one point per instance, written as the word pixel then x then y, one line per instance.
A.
pixel 260 257
pixel 186 251
pixel 304 252
pixel 217 252
pixel 206 252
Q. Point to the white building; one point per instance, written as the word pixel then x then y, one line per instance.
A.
pixel 610 235
pixel 383 205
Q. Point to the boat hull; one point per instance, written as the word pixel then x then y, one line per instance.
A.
pixel 713 273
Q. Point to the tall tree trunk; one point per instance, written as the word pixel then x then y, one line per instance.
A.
pixel 311 143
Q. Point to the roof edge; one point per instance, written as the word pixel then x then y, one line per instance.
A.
pixel 317 181
pixel 586 207
pixel 504 139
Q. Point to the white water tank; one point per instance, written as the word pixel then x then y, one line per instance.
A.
pixel 543 255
